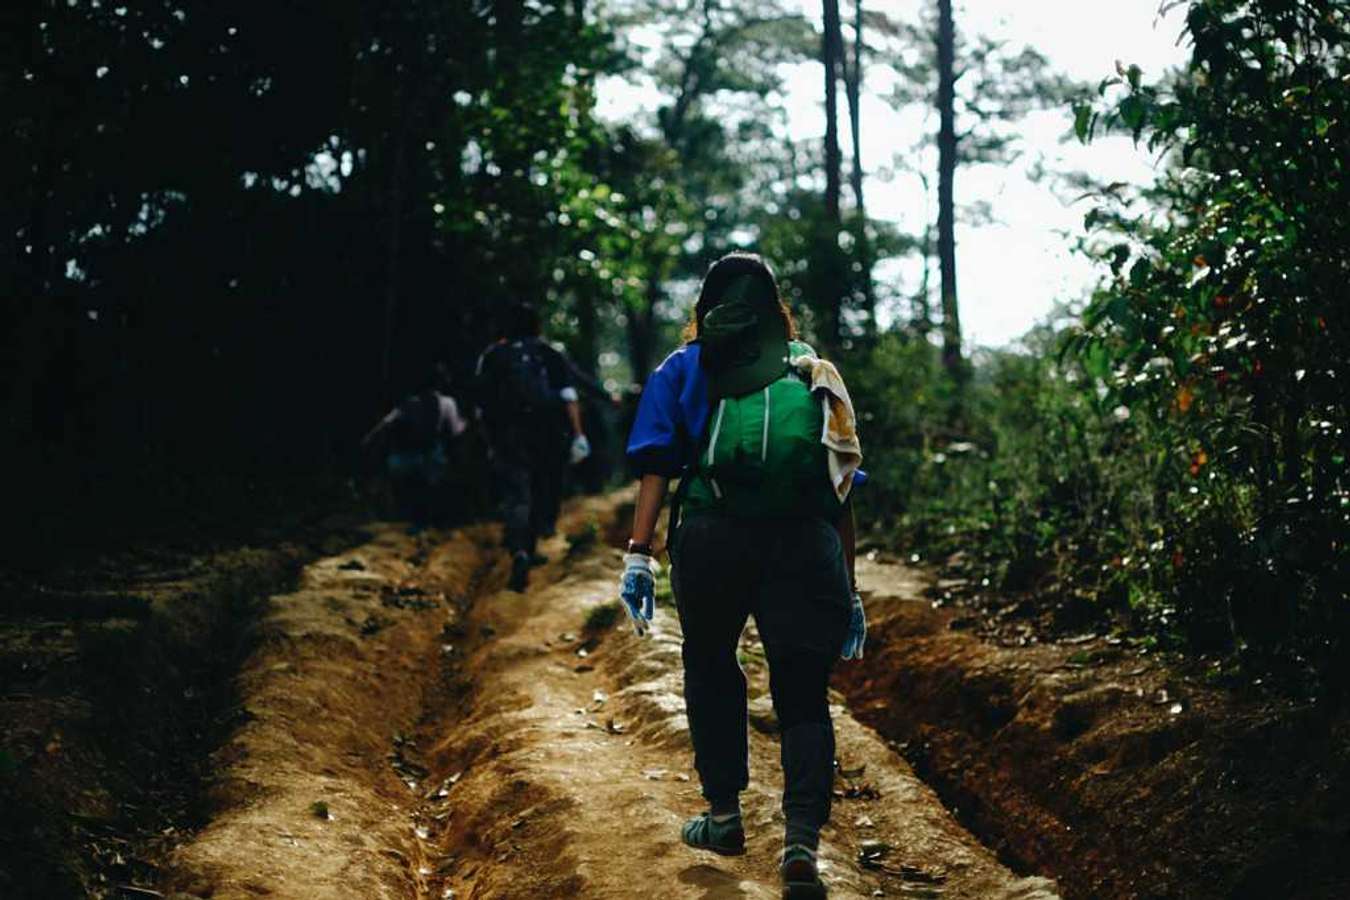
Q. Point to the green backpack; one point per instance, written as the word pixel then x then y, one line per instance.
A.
pixel 761 454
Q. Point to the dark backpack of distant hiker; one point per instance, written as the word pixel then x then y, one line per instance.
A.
pixel 526 387
pixel 761 454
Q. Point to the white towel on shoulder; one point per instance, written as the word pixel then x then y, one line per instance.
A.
pixel 840 433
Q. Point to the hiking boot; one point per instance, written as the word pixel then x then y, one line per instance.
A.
pixel 520 572
pixel 703 832
pixel 801 878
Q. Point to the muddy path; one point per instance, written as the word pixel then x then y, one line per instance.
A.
pixel 417 731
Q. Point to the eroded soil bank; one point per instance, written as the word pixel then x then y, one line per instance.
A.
pixel 116 675
pixel 416 731
pixel 1123 773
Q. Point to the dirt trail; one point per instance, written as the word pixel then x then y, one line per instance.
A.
pixel 511 752
pixel 1127 772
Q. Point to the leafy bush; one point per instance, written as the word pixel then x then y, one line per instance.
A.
pixel 1224 325
pixel 1029 486
pixel 1180 451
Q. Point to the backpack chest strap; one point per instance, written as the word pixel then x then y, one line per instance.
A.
pixel 712 445
pixel 764 441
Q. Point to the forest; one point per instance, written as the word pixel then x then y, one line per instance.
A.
pixel 236 234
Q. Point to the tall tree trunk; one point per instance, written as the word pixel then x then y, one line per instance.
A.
pixel 853 90
pixel 586 347
pixel 923 312
pixel 830 46
pixel 831 53
pixel 393 237
pixel 641 328
pixel 853 77
pixel 947 149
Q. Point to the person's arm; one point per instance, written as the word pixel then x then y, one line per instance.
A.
pixel 581 445
pixel 651 494
pixel 574 417
pixel 637 585
pixel 394 415
pixel 848 535
pixel 560 371
pixel 653 450
pixel 455 422
pixel 855 640
pixel 585 382
pixel 656 446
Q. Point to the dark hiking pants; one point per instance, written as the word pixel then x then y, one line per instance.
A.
pixel 529 472
pixel 417 478
pixel 790 575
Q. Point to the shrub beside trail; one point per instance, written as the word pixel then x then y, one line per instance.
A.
pixel 1172 454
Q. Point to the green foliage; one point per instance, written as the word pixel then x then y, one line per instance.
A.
pixel 1033 491
pixel 665 592
pixel 1223 323
pixel 1179 452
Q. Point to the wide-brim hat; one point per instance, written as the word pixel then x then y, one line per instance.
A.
pixel 745 348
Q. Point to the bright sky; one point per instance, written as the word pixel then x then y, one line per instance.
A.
pixel 1010 272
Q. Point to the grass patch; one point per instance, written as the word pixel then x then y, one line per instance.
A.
pixel 583 538
pixel 602 617
pixel 665 594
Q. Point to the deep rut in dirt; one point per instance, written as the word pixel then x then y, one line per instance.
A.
pixel 416 731
pixel 1128 773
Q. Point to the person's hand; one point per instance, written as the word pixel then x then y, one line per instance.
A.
pixel 637 590
pixel 857 631
pixel 581 448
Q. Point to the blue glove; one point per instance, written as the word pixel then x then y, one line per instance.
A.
pixel 857 631
pixel 637 590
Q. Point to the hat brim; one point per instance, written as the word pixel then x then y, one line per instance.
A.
pixel 770 364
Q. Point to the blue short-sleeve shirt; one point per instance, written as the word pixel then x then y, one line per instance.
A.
pixel 671 416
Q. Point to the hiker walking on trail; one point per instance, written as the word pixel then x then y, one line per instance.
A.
pixel 529 404
pixel 762 434
pixel 415 434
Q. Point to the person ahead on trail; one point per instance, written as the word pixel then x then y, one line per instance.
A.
pixel 761 433
pixel 599 406
pixel 414 435
pixel 529 404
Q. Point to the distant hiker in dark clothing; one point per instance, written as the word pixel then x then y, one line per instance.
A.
pixel 763 435
pixel 599 406
pixel 529 404
pixel 414 435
